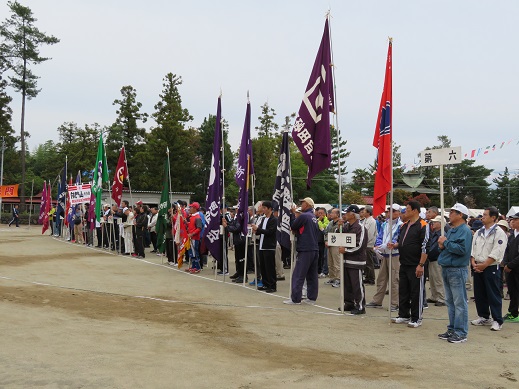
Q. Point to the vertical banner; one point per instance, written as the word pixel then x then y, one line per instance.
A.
pixel 164 206
pixel 282 198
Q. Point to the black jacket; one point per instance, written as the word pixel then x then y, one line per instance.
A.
pixel 269 241
pixel 512 253
pixel 415 243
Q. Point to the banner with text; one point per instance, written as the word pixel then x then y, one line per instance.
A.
pixel 79 194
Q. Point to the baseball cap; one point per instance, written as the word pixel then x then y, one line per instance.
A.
pixel 353 208
pixel 195 205
pixel 309 201
pixel 461 208
pixel 138 202
pixel 515 216
pixel 476 225
pixel 395 207
pixel 125 209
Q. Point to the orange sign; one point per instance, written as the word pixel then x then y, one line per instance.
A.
pixel 9 191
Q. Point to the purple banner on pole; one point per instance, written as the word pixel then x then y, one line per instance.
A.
pixel 92 211
pixel 311 132
pixel 244 171
pixel 43 203
pixel 214 192
pixel 282 199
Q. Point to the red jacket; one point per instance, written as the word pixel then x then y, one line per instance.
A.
pixel 194 226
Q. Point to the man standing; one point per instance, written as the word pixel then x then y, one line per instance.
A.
pixel 151 227
pixel 354 263
pixel 194 227
pixel 234 227
pixel 412 242
pixel 435 271
pixel 511 269
pixel 369 223
pixel 267 247
pixel 334 258
pixel 454 259
pixel 322 222
pixel 16 216
pixel 384 238
pixel 488 249
pixel 307 233
pixel 141 223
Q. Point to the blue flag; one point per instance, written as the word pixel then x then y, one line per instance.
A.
pixel 282 199
pixel 244 171
pixel 214 191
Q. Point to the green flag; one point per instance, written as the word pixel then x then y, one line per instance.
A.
pixel 100 177
pixel 164 206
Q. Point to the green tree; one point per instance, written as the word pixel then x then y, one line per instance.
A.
pixel 501 194
pixel 338 151
pixel 268 127
pixel 11 161
pixel 468 184
pixel 20 47
pixel 126 129
pixel 170 132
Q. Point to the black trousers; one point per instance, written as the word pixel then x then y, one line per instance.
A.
pixel 170 249
pixel 153 236
pixel 320 263
pixel 139 243
pixel 354 292
pixel 512 281
pixel 410 291
pixel 239 254
pixel 369 270
pixel 220 265
pixel 268 268
pixel 99 235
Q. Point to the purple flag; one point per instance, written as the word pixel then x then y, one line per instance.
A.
pixel 78 177
pixel 243 172
pixel 92 211
pixel 311 132
pixel 43 203
pixel 282 198
pixel 214 192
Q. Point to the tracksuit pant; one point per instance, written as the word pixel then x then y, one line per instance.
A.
pixel 487 293
pixel 411 292
pixel 354 292
pixel 305 269
pixel 512 282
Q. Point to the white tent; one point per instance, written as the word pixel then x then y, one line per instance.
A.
pixel 513 211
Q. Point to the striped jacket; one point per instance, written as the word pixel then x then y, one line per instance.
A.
pixel 355 257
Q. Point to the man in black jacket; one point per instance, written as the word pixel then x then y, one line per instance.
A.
pixel 511 269
pixel 235 228
pixel 267 248
pixel 141 224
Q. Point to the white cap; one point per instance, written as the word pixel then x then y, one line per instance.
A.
pixel 395 207
pixel 461 208
pixel 125 209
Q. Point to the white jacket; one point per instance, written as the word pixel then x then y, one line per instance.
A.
pixel 492 246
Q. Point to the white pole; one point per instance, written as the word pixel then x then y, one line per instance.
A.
pixel 2 175
pixel 442 205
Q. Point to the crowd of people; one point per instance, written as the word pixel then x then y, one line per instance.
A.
pixel 407 247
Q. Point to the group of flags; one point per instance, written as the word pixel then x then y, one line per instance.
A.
pixel 310 133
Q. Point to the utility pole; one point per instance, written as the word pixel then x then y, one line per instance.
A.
pixel 2 175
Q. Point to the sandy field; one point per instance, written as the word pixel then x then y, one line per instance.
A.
pixel 78 317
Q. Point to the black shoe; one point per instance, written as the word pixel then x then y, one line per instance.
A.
pixel 347 308
pixel 153 251
pixel 439 304
pixel 262 288
pixel 270 290
pixel 280 278
pixel 239 280
pixel 369 282
pixel 286 266
pixel 358 311
pixel 235 275
pixel 431 301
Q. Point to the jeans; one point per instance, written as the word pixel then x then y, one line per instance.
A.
pixel 454 279
pixel 194 254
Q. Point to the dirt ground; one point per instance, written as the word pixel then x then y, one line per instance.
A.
pixel 78 317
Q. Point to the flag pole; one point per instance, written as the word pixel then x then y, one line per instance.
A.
pixel 30 206
pixel 169 196
pixel 292 236
pixel 391 200
pixel 128 178
pixel 339 164
pixel 224 254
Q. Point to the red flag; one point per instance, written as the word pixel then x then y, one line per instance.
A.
pixel 383 141
pixel 47 210
pixel 121 172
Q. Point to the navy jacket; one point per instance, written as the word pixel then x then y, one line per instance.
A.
pixel 306 229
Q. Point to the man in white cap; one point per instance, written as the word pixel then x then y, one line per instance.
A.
pixel 488 250
pixel 454 259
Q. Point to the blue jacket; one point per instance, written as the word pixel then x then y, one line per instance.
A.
pixel 457 247
pixel 306 230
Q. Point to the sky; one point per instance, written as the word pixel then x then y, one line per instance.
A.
pixel 454 66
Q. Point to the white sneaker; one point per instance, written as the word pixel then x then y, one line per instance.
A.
pixel 496 326
pixel 308 301
pixel 400 320
pixel 336 283
pixel 414 324
pixel 290 302
pixel 481 321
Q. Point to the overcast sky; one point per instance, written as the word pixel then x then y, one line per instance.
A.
pixel 454 66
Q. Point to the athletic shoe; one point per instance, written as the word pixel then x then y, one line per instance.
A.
pixel 358 311
pixel 394 309
pixel 496 326
pixel 235 275
pixel 280 278
pixel 414 324
pixel 400 320
pixel 336 284
pixel 457 339
pixel 322 275
pixel 220 273
pixel 268 290
pixel 426 306
pixel 512 319
pixel 290 302
pixel 439 304
pixel 253 282
pixel 329 282
pixel 309 302
pixel 373 305
pixel 481 321
pixel 446 335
